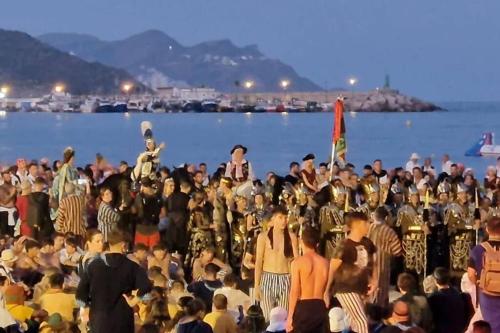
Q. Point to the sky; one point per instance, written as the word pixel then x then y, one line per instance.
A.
pixel 439 50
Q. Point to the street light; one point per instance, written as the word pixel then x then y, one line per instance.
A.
pixel 127 87
pixel 352 82
pixel 249 84
pixel 5 90
pixel 284 85
pixel 59 88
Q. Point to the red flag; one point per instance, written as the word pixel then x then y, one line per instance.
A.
pixel 338 135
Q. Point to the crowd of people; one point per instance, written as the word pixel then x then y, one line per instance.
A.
pixel 325 248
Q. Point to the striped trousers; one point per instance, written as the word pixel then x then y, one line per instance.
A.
pixel 353 305
pixel 274 291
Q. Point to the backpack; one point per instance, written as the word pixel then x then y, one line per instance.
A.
pixel 489 281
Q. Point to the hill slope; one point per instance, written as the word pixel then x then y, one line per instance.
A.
pixel 33 68
pixel 159 60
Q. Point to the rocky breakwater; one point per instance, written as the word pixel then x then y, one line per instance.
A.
pixel 386 100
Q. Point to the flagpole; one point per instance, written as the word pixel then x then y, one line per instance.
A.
pixel 332 159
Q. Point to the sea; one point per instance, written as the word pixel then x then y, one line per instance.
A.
pixel 273 140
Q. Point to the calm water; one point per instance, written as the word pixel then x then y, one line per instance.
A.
pixel 273 139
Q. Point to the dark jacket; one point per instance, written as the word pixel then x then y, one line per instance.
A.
pixel 103 285
pixel 450 311
pixel 39 214
pixel 204 290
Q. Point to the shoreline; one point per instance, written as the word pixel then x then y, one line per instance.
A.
pixel 383 100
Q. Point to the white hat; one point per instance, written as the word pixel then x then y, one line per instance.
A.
pixel 8 256
pixel 469 171
pixel 277 320
pixel 414 156
pixel 338 320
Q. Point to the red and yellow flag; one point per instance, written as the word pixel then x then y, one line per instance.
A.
pixel 338 135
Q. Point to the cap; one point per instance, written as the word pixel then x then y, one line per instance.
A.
pixel 277 320
pixel 239 147
pixel 309 157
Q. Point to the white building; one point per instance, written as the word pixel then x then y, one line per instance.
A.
pixel 187 94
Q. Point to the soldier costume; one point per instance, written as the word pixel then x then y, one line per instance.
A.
pixel 438 254
pixel 331 220
pixel 459 219
pixel 238 231
pixel 301 213
pixel 220 219
pixel 255 219
pixel 372 199
pixel 411 220
pixel 201 234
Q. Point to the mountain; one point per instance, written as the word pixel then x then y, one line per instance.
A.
pixel 32 68
pixel 157 59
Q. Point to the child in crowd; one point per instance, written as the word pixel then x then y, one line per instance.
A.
pixel 58 239
pixel 48 258
pixel 160 258
pixel 69 255
pixel 140 255
pixel 207 256
pixel 177 291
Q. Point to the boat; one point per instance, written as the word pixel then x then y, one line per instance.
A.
pixel 192 106
pixel 89 105
pixel 210 105
pixel 104 107
pixel 485 146
pixel 134 106
pixel 120 107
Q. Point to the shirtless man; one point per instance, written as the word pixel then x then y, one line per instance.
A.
pixel 206 257
pixel 275 250
pixel 160 258
pixel 307 311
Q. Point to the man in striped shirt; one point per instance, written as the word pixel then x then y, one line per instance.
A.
pixel 107 216
pixel 71 212
pixel 388 245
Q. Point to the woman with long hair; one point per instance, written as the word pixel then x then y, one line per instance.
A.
pixel 94 246
pixel 193 319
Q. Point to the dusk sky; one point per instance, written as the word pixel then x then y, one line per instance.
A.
pixel 440 50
